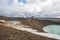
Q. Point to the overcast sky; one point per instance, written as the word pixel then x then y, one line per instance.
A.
pixel 28 8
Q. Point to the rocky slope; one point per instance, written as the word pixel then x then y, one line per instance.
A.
pixel 37 24
pixel 8 33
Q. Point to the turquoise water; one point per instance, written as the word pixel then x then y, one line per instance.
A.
pixel 14 22
pixel 54 29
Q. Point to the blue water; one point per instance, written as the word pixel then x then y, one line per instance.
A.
pixel 54 29
pixel 14 22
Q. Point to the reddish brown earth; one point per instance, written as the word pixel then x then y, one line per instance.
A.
pixel 38 24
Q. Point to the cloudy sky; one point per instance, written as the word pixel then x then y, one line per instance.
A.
pixel 29 8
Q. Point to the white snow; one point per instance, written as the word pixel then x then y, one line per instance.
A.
pixel 2 21
pixel 39 33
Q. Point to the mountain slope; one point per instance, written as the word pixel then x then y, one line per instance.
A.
pixel 7 33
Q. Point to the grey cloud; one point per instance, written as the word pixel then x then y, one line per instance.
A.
pixel 34 7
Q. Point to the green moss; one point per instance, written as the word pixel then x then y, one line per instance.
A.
pixel 54 29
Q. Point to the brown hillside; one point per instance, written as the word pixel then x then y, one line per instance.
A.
pixel 7 33
pixel 37 24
